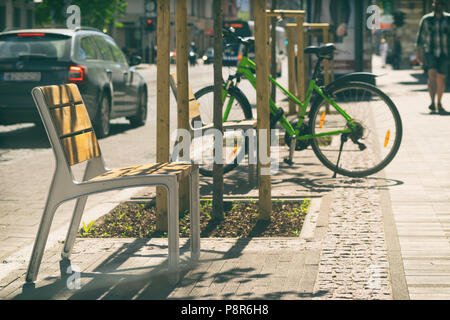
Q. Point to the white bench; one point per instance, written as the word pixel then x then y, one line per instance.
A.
pixel 73 139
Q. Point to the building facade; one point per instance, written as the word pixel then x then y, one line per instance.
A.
pixel 134 37
pixel 16 14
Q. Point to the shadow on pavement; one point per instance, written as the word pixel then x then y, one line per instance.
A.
pixel 35 137
pixel 112 280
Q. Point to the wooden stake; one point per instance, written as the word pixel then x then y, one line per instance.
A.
pixel 290 33
pixel 262 103
pixel 182 86
pixel 301 91
pixel 163 106
pixel 217 212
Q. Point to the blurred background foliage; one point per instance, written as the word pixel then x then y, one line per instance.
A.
pixel 101 14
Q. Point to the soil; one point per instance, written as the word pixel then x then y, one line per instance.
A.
pixel 138 220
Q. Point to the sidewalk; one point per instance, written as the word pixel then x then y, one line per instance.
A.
pixel 385 237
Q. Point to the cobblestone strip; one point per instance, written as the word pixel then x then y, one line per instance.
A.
pixel 354 262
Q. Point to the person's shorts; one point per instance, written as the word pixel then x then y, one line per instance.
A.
pixel 438 63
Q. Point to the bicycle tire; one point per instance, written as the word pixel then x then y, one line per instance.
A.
pixel 372 125
pixel 242 111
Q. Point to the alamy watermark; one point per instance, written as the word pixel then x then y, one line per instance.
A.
pixel 73 281
pixel 212 146
pixel 374 20
pixel 73 20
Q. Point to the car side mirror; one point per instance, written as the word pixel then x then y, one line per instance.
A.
pixel 135 60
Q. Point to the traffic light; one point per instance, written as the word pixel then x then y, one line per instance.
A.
pixel 399 18
pixel 150 24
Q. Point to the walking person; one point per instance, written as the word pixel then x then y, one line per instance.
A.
pixel 434 39
pixel 383 52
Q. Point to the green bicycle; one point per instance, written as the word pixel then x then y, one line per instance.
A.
pixel 353 127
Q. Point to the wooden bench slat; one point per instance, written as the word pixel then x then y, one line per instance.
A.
pixel 61 95
pixel 70 119
pixel 131 171
pixel 80 147
pixel 181 170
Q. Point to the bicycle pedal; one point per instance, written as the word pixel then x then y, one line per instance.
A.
pixel 288 161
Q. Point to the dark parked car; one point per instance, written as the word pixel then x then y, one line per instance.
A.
pixel 110 86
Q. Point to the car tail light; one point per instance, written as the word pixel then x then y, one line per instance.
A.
pixel 77 73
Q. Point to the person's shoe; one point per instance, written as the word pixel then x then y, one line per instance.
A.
pixel 432 108
pixel 441 110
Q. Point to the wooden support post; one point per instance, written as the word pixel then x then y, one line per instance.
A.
pixel 262 103
pixel 218 212
pixel 306 58
pixel 163 106
pixel 290 33
pixel 326 70
pixel 182 86
pixel 300 58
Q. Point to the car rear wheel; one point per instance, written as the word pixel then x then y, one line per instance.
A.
pixel 102 125
pixel 141 116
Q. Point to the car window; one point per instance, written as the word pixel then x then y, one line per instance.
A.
pixel 87 50
pixel 118 54
pixel 34 44
pixel 104 49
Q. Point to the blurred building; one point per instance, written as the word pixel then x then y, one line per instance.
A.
pixel 16 14
pixel 135 35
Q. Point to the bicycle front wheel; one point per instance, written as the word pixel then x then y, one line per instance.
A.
pixel 235 101
pixel 234 143
pixel 375 136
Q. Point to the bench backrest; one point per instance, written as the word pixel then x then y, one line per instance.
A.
pixel 194 111
pixel 70 121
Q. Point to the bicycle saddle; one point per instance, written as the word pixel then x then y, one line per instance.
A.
pixel 322 51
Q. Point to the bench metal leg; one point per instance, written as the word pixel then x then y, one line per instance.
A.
pixel 173 230
pixel 195 214
pixel 41 238
pixel 73 228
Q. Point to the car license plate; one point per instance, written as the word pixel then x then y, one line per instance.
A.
pixel 20 76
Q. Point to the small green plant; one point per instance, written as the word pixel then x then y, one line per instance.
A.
pixel 87 229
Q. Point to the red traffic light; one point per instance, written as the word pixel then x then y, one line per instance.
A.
pixel 149 21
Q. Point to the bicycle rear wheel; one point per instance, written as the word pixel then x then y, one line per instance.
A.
pixel 371 145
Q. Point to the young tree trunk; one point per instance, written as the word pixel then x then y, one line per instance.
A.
pixel 217 213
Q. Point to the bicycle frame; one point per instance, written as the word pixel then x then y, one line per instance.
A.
pixel 245 69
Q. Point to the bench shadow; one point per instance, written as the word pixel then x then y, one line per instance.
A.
pixel 112 280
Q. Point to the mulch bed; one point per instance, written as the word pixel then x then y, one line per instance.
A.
pixel 137 220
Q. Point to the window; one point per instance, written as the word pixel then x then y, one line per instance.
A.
pixel 2 18
pixel 87 50
pixel 29 18
pixel 49 45
pixel 103 47
pixel 117 54
pixel 17 18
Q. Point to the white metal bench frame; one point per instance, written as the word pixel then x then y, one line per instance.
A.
pixel 64 187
